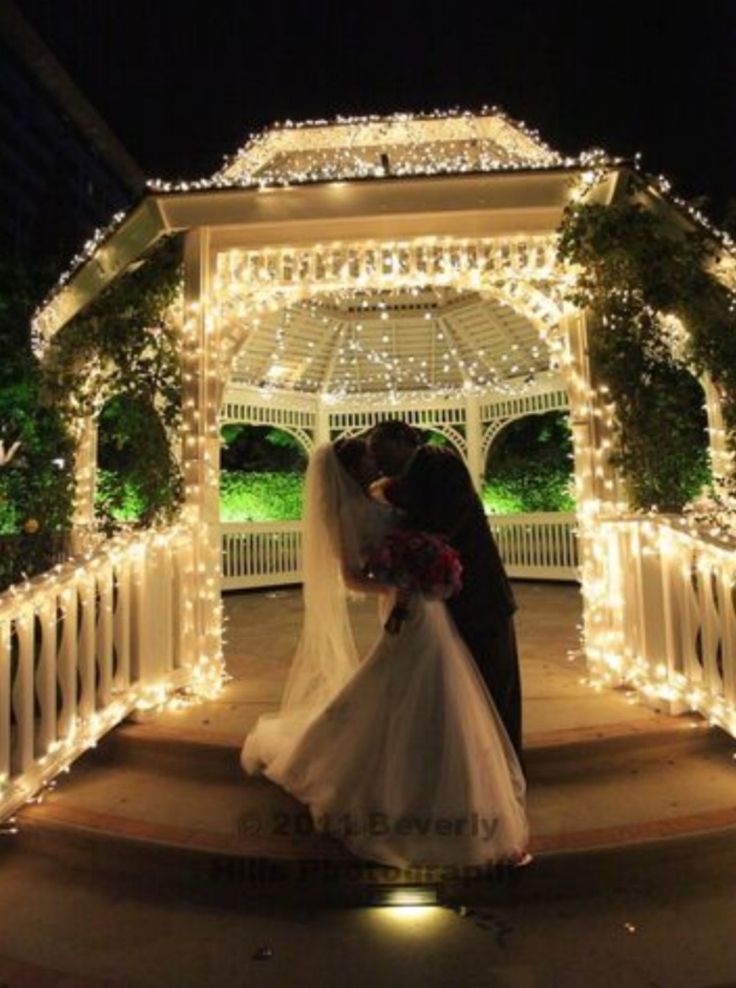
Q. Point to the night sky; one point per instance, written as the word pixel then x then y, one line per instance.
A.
pixel 183 83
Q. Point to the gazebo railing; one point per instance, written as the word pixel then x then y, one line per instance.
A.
pixel 534 546
pixel 537 546
pixel 260 554
pixel 86 643
pixel 664 616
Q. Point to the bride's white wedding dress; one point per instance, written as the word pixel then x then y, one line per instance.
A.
pixel 403 755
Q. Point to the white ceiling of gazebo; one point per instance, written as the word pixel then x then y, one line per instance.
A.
pixel 435 341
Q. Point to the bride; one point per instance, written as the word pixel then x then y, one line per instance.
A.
pixel 402 755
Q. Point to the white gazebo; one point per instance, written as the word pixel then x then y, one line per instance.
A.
pixel 336 273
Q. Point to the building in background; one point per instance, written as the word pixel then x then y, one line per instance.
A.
pixel 63 173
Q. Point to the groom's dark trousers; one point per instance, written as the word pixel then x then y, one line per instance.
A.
pixel 438 496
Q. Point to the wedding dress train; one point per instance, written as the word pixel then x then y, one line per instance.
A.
pixel 409 764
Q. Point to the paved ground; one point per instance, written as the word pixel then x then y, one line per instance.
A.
pixel 658 924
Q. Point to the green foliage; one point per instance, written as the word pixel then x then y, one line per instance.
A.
pixel 260 448
pixel 284 440
pixel 260 496
pixel 530 467
pixel 121 349
pixel 634 271
pixel 36 486
pixel 133 447
pixel 118 499
pixel 534 488
pixel 435 439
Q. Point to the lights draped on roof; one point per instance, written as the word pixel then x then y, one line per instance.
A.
pixel 376 147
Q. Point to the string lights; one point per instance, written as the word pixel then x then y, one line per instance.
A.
pixel 436 143
pixel 97 587
pixel 387 321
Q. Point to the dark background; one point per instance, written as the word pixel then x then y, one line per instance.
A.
pixel 184 83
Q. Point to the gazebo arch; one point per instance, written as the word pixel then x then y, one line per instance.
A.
pixel 236 412
pixel 497 415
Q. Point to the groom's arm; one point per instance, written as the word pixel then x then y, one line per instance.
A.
pixel 437 493
pixel 449 491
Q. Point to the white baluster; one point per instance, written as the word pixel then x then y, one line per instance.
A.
pixel 23 689
pixel 87 648
pixel 105 636
pixel 727 608
pixel 46 673
pixel 67 669
pixel 709 627
pixel 4 704
pixel 121 625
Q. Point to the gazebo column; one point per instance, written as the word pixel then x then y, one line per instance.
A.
pixel 85 485
pixel 474 440
pixel 321 423
pixel 202 395
pixel 598 494
pixel 721 458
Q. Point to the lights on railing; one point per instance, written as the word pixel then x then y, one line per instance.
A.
pixel 613 658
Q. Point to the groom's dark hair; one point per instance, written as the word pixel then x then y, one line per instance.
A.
pixel 398 431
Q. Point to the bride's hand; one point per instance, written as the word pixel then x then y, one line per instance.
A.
pixel 377 490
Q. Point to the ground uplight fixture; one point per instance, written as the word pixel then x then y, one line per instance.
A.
pixel 405 895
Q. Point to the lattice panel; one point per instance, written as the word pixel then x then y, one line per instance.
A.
pixel 529 404
pixel 423 418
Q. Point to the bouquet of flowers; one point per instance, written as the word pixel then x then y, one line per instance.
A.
pixel 415 562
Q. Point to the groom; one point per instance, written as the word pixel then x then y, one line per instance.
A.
pixel 433 486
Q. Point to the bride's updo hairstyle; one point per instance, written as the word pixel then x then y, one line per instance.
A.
pixel 351 453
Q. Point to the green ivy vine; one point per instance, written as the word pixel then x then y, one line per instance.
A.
pixel 633 271
pixel 121 353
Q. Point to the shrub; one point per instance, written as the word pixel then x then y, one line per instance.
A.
pixel 260 496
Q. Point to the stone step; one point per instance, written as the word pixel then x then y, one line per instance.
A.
pixel 172 807
pixel 191 751
pixel 155 860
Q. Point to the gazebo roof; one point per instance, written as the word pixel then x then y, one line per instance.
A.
pixel 376 147
pixel 394 177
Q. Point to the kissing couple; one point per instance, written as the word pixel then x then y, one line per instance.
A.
pixel 410 755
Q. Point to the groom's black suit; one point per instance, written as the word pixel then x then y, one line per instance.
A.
pixel 438 496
